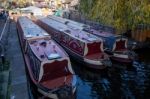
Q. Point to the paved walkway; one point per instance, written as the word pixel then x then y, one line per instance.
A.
pixel 18 75
pixel 4 84
pixel 4 68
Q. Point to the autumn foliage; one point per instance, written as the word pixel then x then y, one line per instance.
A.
pixel 121 14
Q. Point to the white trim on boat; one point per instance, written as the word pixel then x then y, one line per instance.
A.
pixel 50 95
pixel 93 62
pixel 121 56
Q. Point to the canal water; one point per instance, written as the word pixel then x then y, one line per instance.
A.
pixel 118 82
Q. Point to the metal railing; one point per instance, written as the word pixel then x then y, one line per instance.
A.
pixel 2 53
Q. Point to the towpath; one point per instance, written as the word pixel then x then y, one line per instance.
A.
pixel 18 76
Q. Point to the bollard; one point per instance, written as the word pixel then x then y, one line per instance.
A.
pixel 3 59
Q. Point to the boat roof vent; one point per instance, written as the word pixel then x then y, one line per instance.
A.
pixel 66 22
pixel 42 56
pixel 37 34
pixel 68 31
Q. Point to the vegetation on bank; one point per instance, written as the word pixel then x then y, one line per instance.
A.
pixel 121 14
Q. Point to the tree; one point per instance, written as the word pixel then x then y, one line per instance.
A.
pixel 123 15
pixel 20 3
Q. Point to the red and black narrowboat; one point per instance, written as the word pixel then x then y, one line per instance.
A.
pixel 82 46
pixel 115 45
pixel 48 65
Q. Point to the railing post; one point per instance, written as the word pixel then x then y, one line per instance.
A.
pixel 3 59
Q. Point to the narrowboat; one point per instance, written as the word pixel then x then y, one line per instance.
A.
pixel 115 45
pixel 48 65
pixel 82 46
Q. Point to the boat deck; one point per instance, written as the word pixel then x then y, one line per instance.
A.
pixel 101 33
pixel 68 22
pixel 46 49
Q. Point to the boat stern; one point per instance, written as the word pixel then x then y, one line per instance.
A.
pixel 95 57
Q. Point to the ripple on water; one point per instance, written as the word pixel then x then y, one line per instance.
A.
pixel 118 82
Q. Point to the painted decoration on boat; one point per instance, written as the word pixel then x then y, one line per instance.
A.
pixel 83 46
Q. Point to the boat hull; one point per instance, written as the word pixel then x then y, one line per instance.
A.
pixel 121 60
pixel 81 60
pixel 37 92
pixel 34 84
pixel 127 58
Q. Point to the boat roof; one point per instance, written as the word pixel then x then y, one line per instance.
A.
pixel 82 26
pixel 46 49
pixel 68 22
pixel 30 29
pixel 101 33
pixel 71 31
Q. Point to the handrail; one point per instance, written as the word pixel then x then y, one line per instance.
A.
pixel 1 45
pixel 4 29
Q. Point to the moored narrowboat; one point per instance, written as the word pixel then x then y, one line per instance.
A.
pixel 115 45
pixel 48 65
pixel 82 46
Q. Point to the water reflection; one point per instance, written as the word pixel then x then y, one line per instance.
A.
pixel 117 82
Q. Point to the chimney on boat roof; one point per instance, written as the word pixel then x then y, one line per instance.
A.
pixel 66 22
pixel 42 56
pixel 37 34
